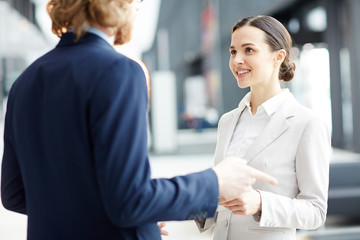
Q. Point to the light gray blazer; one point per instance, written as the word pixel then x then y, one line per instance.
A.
pixel 295 148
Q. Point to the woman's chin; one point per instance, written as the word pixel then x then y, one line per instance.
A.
pixel 242 84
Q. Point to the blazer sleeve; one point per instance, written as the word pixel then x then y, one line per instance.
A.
pixel 12 187
pixel 118 128
pixel 308 210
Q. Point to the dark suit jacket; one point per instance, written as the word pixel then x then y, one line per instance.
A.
pixel 75 150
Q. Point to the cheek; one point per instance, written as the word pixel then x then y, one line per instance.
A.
pixel 269 61
pixel 231 67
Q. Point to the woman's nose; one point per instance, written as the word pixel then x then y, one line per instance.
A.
pixel 239 59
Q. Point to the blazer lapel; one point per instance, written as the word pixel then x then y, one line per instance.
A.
pixel 277 125
pixel 228 127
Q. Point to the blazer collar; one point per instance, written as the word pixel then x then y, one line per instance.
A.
pixel 277 125
pixel 68 39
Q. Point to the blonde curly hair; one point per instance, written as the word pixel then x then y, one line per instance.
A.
pixel 79 14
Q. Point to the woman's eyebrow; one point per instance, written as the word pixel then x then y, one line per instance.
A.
pixel 243 45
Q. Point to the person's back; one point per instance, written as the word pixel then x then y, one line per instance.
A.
pixel 52 127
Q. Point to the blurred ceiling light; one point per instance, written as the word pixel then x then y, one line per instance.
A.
pixel 308 46
pixel 294 25
pixel 316 19
pixel 294 52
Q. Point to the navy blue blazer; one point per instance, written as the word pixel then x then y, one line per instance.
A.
pixel 75 150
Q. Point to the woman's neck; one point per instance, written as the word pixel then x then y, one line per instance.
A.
pixel 262 94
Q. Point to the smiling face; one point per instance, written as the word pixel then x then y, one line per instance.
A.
pixel 252 62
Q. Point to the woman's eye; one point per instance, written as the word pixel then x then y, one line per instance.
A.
pixel 249 50
pixel 232 52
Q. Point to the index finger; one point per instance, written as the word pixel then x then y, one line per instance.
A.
pixel 263 177
pixel 223 200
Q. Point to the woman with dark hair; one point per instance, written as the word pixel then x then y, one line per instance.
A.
pixel 274 134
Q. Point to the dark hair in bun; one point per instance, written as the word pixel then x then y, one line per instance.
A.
pixel 277 37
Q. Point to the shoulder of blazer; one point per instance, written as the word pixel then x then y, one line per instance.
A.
pixel 230 114
pixel 292 108
pixel 227 119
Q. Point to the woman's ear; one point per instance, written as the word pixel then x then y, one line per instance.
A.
pixel 280 56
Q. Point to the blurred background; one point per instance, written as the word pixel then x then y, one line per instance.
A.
pixel 184 45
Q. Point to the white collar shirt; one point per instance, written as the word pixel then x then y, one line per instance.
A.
pixel 249 126
pixel 100 34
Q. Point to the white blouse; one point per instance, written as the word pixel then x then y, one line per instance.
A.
pixel 249 126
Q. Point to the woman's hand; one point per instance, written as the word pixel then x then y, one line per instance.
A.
pixel 248 203
pixel 161 226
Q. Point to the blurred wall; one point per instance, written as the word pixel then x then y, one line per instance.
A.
pixel 194 36
pixel 21 41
